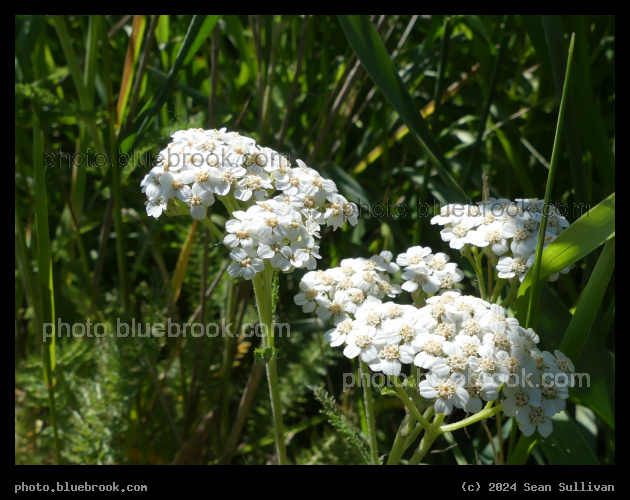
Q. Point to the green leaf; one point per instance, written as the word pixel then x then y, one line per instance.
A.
pixel 263 356
pixel 45 275
pixel 387 391
pixel 577 241
pixel 566 444
pixel 590 302
pixel 522 450
pixel 598 393
pixel 372 53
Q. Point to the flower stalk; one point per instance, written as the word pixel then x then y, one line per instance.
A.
pixel 427 440
pixel 263 294
pixel 369 412
pixel 404 431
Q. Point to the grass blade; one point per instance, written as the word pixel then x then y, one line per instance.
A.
pixel 75 72
pixel 582 237
pixel 584 316
pixel 204 32
pixel 534 298
pixel 199 28
pixel 116 177
pixel 131 60
pixel 566 444
pixel 45 275
pixel 372 53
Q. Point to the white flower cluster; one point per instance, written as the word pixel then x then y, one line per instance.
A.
pixel 335 293
pixel 431 273
pixel 471 349
pixel 467 348
pixel 506 230
pixel 278 210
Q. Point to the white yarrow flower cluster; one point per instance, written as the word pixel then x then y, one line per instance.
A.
pixel 469 350
pixel 279 209
pixel 428 272
pixel 507 231
pixel 339 292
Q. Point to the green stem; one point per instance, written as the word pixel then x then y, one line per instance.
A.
pixel 419 298
pixel 418 428
pixel 487 412
pixel 513 291
pixel 228 202
pixel 369 412
pixel 263 302
pixel 473 263
pixel 400 391
pixel 496 293
pixel 230 314
pixel 479 271
pixel 363 419
pixel 427 441
pixel 213 229
pixel 398 448
pixel 490 280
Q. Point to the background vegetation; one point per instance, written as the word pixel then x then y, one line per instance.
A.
pixel 479 94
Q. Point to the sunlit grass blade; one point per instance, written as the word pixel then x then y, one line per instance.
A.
pixel 577 241
pixel 204 32
pixel 131 61
pixel 534 298
pixel 373 55
pixel 45 275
